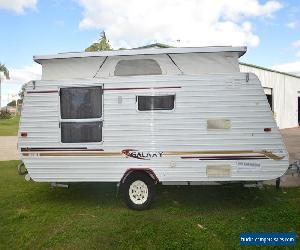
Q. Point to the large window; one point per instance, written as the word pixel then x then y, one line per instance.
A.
pixel 81 114
pixel 159 102
pixel 80 103
pixel 137 67
pixel 81 132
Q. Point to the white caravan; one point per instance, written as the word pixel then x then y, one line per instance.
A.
pixel 175 116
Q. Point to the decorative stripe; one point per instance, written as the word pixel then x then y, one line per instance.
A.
pixel 80 154
pixel 143 88
pixel 214 152
pixel 58 149
pixel 226 158
pixel 107 89
pixel 216 155
pixel 263 152
pixel 42 91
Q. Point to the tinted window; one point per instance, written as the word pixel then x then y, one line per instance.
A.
pixel 72 132
pixel 80 103
pixel 137 67
pixel 165 102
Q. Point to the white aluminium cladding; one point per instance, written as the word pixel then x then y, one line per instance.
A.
pixel 172 61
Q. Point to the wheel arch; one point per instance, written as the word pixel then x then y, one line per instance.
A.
pixel 146 171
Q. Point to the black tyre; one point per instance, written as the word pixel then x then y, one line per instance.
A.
pixel 138 191
pixel 21 168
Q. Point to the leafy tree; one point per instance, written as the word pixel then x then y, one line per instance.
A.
pixel 102 44
pixel 11 104
pixel 6 74
pixel 21 93
pixel 4 70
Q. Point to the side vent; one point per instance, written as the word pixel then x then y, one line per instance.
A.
pixel 218 170
pixel 218 124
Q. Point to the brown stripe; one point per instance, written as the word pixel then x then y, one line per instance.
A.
pixel 42 91
pixel 223 156
pixel 263 152
pixel 58 149
pixel 212 158
pixel 139 88
pixel 143 88
pixel 80 154
pixel 211 152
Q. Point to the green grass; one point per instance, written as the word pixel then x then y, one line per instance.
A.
pixel 90 216
pixel 9 127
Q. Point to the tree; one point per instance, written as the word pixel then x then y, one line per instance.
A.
pixel 4 70
pixel 6 75
pixel 102 44
pixel 21 93
pixel 11 104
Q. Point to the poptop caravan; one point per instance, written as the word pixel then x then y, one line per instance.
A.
pixel 175 116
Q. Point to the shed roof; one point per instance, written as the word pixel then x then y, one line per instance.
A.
pixel 270 70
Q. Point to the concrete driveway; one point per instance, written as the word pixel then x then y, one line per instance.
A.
pixel 291 137
pixel 8 148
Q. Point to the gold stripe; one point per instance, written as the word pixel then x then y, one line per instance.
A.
pixel 263 152
pixel 209 152
pixel 81 154
pixel 168 153
pixel 273 156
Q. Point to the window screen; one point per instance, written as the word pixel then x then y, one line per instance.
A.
pixel 72 132
pixel 161 102
pixel 80 103
pixel 76 105
pixel 137 67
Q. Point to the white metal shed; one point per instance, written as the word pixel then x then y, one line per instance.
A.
pixel 283 92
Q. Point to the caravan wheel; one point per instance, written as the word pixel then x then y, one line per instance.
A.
pixel 138 191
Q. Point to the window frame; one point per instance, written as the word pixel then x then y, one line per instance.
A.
pixel 155 94
pixel 61 120
pixel 122 59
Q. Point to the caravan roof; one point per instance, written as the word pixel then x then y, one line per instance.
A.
pixel 165 61
pixel 130 52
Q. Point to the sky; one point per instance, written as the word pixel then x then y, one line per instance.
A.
pixel 270 29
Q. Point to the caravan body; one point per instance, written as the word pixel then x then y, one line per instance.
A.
pixel 182 115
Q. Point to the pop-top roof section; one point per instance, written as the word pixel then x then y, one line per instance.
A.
pixel 150 51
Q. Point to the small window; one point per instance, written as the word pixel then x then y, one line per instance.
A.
pixel 74 132
pixel 76 106
pixel 137 67
pixel 80 103
pixel 161 102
